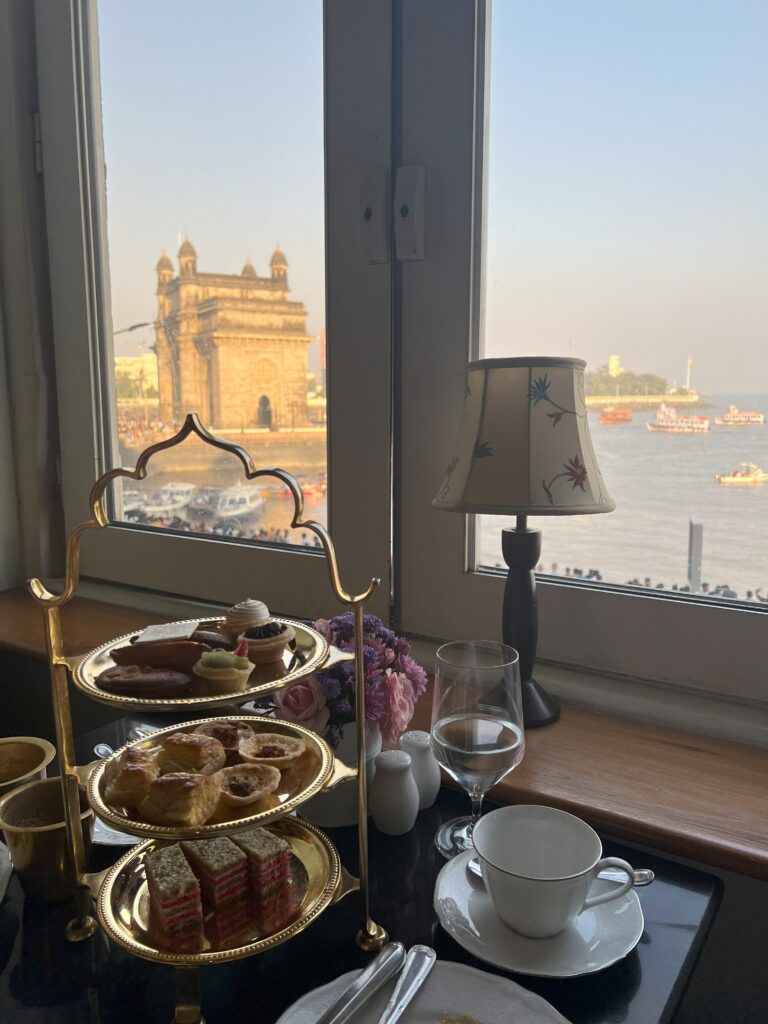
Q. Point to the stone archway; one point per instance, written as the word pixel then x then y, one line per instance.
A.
pixel 264 415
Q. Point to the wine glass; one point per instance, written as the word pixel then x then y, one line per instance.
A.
pixel 477 726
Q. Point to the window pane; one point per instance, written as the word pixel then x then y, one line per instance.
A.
pixel 213 135
pixel 628 226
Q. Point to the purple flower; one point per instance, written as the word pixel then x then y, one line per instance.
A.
pixel 415 673
pixel 330 686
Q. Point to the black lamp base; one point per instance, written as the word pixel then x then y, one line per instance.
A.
pixel 539 707
pixel 520 624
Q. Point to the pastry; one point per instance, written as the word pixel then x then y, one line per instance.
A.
pixel 213 638
pixel 133 681
pixel 267 639
pixel 180 799
pixel 190 752
pixel 176 654
pixel 271 748
pixel 231 926
pixel 246 783
pixel 127 778
pixel 221 869
pixel 244 615
pixel 174 892
pixel 269 869
pixel 229 734
pixel 224 671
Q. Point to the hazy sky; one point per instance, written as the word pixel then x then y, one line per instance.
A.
pixel 628 207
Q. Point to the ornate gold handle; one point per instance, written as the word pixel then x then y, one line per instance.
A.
pixel 347 884
pixel 341 773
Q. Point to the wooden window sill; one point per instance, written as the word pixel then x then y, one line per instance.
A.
pixel 685 794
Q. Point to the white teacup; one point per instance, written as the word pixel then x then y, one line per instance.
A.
pixel 538 864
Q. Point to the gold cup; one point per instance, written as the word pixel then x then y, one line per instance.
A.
pixel 23 759
pixel 32 820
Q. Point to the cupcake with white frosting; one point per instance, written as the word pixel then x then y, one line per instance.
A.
pixel 244 615
pixel 266 638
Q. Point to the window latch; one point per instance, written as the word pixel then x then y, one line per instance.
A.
pixel 409 213
pixel 374 215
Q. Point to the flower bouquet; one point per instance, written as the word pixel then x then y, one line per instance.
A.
pixel 325 702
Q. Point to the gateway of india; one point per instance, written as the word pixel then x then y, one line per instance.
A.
pixel 231 347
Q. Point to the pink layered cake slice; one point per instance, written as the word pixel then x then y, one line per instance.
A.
pixel 173 890
pixel 221 869
pixel 269 869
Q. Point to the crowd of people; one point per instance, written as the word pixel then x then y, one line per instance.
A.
pixel 705 590
pixel 226 528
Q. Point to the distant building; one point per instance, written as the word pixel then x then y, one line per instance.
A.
pixel 231 347
pixel 615 369
pixel 141 370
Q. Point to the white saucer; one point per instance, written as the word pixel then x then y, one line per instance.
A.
pixel 595 940
pixel 450 989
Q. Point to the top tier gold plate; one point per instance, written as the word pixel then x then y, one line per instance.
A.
pixel 308 654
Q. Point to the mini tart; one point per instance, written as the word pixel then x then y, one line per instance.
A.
pixel 229 734
pixel 246 783
pixel 225 679
pixel 267 642
pixel 271 748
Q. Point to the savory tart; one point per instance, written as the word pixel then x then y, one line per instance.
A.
pixel 246 783
pixel 271 748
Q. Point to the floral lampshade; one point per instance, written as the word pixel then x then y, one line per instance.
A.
pixel 523 446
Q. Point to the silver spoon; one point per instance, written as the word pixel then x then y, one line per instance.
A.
pixel 643 876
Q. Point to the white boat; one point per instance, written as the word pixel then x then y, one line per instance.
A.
pixel 238 501
pixel 171 499
pixel 205 501
pixel 747 473
pixel 735 417
pixel 669 420
pixel 133 501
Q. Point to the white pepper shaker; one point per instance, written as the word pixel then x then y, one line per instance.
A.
pixel 393 797
pixel 424 766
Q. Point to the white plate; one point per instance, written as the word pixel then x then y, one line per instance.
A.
pixel 450 989
pixel 595 940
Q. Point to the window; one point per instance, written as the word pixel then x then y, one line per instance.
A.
pixel 431 83
pixel 182 153
pixel 542 215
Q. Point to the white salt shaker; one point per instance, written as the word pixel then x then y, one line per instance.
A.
pixel 393 796
pixel 426 770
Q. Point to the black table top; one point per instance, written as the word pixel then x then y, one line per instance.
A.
pixel 44 979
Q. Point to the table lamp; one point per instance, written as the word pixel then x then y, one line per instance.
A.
pixel 523 448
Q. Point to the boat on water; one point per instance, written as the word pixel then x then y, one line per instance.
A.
pixel 616 414
pixel 747 473
pixel 239 501
pixel 669 420
pixel 170 499
pixel 735 417
pixel 205 501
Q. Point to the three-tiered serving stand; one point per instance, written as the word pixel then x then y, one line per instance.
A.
pixel 117 892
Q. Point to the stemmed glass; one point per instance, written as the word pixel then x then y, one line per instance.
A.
pixel 477 726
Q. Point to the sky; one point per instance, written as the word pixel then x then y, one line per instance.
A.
pixel 628 206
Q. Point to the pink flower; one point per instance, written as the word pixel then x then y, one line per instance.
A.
pixel 399 697
pixel 415 673
pixel 303 702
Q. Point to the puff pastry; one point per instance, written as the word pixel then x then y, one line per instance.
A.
pixel 190 752
pixel 246 783
pixel 180 798
pixel 127 778
pixel 271 748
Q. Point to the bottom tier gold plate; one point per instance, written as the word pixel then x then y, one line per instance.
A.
pixel 316 881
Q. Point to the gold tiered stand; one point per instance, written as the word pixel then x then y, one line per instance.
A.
pixel 336 882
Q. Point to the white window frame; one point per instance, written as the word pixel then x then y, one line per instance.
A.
pixel 357 133
pixel 698 646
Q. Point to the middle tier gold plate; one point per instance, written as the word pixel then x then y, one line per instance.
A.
pixel 306 776
pixel 309 653
pixel 315 881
